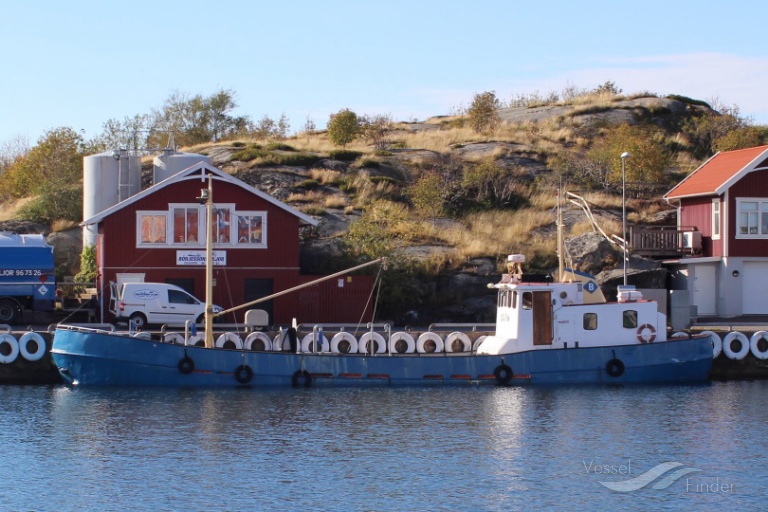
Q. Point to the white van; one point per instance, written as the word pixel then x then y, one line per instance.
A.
pixel 156 304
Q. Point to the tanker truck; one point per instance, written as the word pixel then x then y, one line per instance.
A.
pixel 27 279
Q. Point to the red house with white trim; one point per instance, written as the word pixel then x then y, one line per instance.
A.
pixel 159 234
pixel 722 208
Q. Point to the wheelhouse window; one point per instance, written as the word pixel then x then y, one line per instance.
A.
pixel 716 218
pixel 629 319
pixel 152 228
pixel 752 218
pixel 590 321
pixel 527 302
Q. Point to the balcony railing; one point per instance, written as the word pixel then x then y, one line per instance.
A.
pixel 665 241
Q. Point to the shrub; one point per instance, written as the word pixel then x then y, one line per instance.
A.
pixel 238 144
pixel 370 163
pixel 308 184
pixel 343 127
pixel 252 152
pixel 54 203
pixel 280 146
pixel 345 155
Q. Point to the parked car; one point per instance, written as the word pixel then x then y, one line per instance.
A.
pixel 155 304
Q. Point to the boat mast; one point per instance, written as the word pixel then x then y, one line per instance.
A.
pixel 560 264
pixel 209 264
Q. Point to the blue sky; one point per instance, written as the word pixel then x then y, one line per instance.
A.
pixel 81 63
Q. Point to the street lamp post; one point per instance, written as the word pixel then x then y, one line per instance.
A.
pixel 624 157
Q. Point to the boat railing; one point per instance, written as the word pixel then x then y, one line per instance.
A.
pixel 83 327
pixel 461 327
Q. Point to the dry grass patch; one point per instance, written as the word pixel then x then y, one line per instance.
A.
pixel 335 202
pixel 307 197
pixel 63 225
pixel 325 176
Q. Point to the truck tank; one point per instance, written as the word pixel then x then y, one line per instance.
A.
pixel 27 279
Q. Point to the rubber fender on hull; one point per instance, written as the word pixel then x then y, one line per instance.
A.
pixel 243 374
pixel 503 374
pixel 614 368
pixel 186 365
pixel 38 344
pixel 301 378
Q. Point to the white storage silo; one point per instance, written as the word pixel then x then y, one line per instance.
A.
pixel 108 178
pixel 171 161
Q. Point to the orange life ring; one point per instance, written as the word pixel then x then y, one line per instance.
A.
pixel 644 337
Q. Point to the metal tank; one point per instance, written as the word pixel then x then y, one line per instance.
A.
pixel 171 161
pixel 108 178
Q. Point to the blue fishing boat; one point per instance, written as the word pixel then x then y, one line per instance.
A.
pixel 545 333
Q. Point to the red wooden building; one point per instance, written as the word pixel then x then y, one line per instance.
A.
pixel 158 234
pixel 724 206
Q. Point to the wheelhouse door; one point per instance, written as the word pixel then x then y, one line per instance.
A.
pixel 542 318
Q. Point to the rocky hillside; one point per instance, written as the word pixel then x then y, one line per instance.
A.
pixel 457 251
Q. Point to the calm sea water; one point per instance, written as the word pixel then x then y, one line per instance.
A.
pixel 382 449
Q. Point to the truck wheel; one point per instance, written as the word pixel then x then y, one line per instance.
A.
pixel 9 311
pixel 139 320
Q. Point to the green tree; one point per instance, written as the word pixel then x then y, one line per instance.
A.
pixel 427 193
pixel 343 127
pixel 648 161
pixel 740 138
pixel 706 129
pixel 483 112
pixel 56 161
pixel 376 129
pixel 195 119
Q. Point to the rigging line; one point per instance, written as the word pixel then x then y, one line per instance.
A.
pixel 229 294
pixel 368 302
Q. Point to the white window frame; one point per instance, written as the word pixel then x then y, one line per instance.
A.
pixel 153 213
pixel 200 223
pixel 762 209
pixel 717 218
pixel 262 243
pixel 234 214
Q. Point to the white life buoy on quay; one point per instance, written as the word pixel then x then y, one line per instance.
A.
pixel 730 340
pixel 258 342
pixel 755 345
pixel 343 343
pixel 402 343
pixel 37 344
pixel 458 342
pixel 429 343
pixel 9 348
pixel 380 346
pixel 717 343
pixel 229 340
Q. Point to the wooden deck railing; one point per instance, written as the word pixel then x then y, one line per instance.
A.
pixel 660 241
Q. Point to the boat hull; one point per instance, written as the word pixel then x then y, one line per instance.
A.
pixel 92 357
